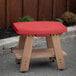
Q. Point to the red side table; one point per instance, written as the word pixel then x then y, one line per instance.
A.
pixel 28 30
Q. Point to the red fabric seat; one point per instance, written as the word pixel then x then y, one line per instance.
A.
pixel 39 28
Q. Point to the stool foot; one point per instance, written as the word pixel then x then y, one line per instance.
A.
pixel 23 71
pixel 18 61
pixel 60 69
pixel 52 59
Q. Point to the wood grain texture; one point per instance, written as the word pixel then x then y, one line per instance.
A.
pixel 45 9
pixel 2 13
pixel 73 6
pixel 30 8
pixel 14 10
pixel 11 10
pixel 59 7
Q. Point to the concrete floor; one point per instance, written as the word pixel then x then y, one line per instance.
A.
pixel 42 67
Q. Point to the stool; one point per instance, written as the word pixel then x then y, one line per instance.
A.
pixel 28 30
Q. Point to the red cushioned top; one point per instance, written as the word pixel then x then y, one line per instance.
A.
pixel 39 28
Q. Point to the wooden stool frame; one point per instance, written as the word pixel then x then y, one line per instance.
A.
pixel 24 52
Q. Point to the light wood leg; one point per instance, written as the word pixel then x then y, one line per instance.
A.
pixel 21 42
pixel 20 46
pixel 49 42
pixel 58 51
pixel 26 54
pixel 50 45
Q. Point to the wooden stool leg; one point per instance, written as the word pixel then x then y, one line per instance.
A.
pixel 50 45
pixel 21 42
pixel 26 54
pixel 58 51
pixel 49 42
pixel 20 46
